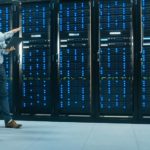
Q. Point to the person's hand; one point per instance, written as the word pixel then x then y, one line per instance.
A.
pixel 16 30
pixel 10 49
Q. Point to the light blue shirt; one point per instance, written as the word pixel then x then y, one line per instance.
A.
pixel 3 37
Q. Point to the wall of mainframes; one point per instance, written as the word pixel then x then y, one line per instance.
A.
pixel 86 58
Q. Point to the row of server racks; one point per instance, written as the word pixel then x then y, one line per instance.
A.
pixel 79 57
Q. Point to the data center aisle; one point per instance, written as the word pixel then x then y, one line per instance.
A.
pixel 75 136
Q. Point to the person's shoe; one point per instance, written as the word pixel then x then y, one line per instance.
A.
pixel 12 124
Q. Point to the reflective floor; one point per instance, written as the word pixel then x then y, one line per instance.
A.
pixel 75 136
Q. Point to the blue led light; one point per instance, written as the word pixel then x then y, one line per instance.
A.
pixel 60 6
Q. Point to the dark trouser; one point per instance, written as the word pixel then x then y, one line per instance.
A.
pixel 4 103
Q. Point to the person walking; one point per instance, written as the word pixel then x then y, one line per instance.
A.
pixel 4 102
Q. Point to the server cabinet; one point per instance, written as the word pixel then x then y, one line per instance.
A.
pixel 145 59
pixel 74 48
pixel 115 57
pixel 35 57
pixel 5 26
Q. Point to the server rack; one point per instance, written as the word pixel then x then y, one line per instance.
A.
pixel 74 50
pixel 5 26
pixel 116 57
pixel 145 62
pixel 35 58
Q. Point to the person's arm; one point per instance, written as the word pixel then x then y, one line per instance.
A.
pixel 7 51
pixel 10 34
pixel 16 30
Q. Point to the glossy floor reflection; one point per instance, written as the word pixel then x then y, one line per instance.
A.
pixel 75 136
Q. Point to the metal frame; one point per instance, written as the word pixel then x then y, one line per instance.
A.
pixel 141 115
pixel 137 49
pixel 90 58
pixel 20 50
pixel 113 115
